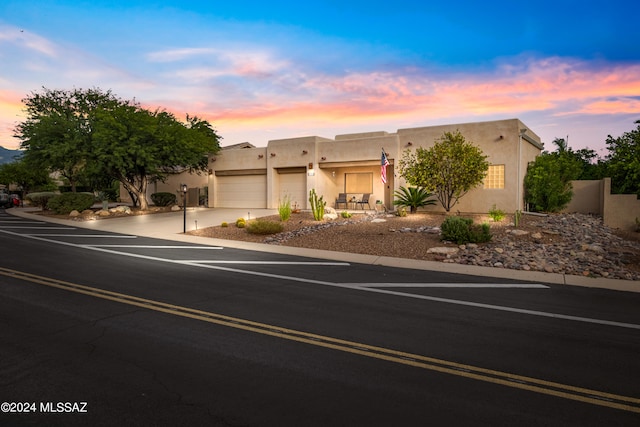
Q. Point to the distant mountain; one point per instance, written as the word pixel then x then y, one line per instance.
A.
pixel 7 156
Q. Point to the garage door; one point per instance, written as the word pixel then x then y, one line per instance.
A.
pixel 241 191
pixel 294 185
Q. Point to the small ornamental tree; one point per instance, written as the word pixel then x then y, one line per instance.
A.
pixel 547 184
pixel 449 169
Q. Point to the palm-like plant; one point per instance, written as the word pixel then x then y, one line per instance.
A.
pixel 413 197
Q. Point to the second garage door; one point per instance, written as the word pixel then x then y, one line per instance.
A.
pixel 294 185
pixel 241 191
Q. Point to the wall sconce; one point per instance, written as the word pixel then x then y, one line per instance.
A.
pixel 273 154
pixel 304 152
pixel 210 171
pixel 323 158
pixel 310 165
pixel 260 156
pixel 501 137
pixel 409 143
pixel 333 174
pixel 213 159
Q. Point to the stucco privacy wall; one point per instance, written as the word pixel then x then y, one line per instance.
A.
pixel 260 177
pixel 594 197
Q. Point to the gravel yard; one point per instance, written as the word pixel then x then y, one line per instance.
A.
pixel 562 243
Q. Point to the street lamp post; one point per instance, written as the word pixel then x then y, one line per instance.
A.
pixel 183 187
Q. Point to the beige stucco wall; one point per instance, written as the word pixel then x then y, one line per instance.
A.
pixel 620 210
pixel 326 161
pixel 502 142
pixel 587 197
pixel 594 197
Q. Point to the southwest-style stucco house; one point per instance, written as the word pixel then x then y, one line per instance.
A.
pixel 244 176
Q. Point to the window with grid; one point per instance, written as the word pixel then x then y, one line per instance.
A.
pixel 495 177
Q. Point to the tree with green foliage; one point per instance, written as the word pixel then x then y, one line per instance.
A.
pixel 25 176
pixel 95 135
pixel 450 169
pixel 57 132
pixel 547 184
pixel 591 166
pixel 623 162
pixel 136 146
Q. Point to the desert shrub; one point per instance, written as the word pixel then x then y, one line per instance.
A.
pixel 284 209
pixel 413 197
pixel 345 214
pixel 496 214
pixel 163 199
pixel 241 223
pixel 224 225
pixel 41 199
pixel 66 202
pixel 402 211
pixel 259 226
pixel 463 230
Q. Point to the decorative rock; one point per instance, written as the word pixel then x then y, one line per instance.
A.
pixel 121 209
pixel 175 208
pixel 103 212
pixel 74 213
pixel 604 255
pixel 442 250
pixel 595 248
pixel 378 220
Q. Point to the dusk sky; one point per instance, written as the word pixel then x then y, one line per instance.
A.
pixel 269 70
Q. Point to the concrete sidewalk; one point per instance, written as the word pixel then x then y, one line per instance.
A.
pixel 169 226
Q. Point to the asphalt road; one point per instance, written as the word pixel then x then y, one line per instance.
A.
pixel 98 328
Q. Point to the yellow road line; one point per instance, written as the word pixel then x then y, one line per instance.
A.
pixel 585 395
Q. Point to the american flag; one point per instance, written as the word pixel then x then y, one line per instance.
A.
pixel 384 162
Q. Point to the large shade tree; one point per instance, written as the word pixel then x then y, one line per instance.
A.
pixel 57 133
pixel 94 134
pixel 449 169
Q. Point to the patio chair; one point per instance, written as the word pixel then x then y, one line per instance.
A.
pixel 342 199
pixel 363 201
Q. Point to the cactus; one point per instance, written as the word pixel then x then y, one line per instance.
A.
pixel 317 205
pixel 516 218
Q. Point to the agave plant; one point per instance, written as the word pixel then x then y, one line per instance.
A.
pixel 413 197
